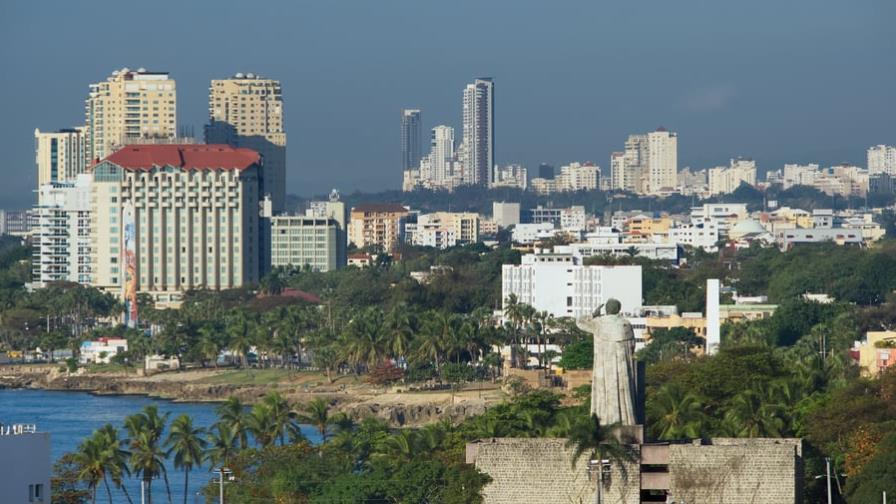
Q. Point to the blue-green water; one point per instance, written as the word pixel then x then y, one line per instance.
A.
pixel 70 417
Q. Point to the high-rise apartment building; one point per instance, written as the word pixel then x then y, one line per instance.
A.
pixel 662 161
pixel 60 155
pixel 724 180
pixel 128 106
pixel 411 139
pixel 442 158
pixel 247 111
pixel 61 237
pixel 479 131
pixel 649 164
pixel 882 159
pixel 169 218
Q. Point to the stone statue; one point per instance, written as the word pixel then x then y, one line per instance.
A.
pixel 613 380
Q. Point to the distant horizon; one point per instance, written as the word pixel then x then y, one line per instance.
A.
pixel 779 83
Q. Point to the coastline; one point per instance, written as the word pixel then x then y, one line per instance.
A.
pixel 394 405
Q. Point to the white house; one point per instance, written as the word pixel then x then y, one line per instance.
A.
pixel 101 351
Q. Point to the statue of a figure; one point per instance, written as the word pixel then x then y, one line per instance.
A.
pixel 613 380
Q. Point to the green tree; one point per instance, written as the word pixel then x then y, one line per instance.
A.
pixel 232 414
pixel 674 413
pixel 187 444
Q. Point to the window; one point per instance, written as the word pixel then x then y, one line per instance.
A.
pixel 568 300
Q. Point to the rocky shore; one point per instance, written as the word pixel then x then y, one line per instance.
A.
pixel 358 400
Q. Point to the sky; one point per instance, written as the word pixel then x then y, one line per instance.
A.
pixel 778 81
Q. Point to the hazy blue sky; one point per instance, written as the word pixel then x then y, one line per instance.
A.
pixel 779 81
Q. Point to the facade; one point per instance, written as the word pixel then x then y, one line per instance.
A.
pixel 191 215
pixel 246 111
pixel 724 180
pixel 377 225
pixel 513 175
pixel 840 236
pixel 61 155
pixel 128 107
pixel 505 214
pixel 662 161
pixel 479 131
pixel 101 351
pixel 27 465
pixel 796 174
pixel 411 139
pixel 446 229
pixel 729 470
pixel 301 241
pixel 61 239
pixel 561 285
pixel 17 222
pixel 876 353
pixel 882 159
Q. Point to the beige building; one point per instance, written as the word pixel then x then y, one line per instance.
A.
pixel 377 225
pixel 724 180
pixel 194 214
pixel 446 229
pixel 662 157
pixel 247 111
pixel 876 353
pixel 128 106
pixel 61 155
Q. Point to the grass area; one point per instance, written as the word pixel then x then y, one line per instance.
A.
pixel 110 368
pixel 270 376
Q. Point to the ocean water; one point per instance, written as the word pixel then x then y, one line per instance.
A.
pixel 70 417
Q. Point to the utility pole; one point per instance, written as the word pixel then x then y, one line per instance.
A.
pixel 827 470
pixel 142 492
pixel 222 472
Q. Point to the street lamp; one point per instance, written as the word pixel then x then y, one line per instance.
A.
pixel 601 467
pixel 223 472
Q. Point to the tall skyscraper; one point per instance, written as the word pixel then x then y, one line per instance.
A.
pixel 411 139
pixel 128 106
pixel 60 156
pixel 479 131
pixel 662 147
pixel 247 111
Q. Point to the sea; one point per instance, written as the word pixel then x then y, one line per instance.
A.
pixel 70 417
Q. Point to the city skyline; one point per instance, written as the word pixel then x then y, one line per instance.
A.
pixel 774 99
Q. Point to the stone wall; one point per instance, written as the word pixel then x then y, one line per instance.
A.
pixel 540 470
pixel 737 471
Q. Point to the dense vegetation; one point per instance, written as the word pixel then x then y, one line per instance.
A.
pixel 788 375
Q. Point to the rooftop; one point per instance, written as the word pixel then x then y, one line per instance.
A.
pixel 379 208
pixel 184 156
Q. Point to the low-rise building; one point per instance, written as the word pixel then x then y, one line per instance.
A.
pixel 25 459
pixel 446 229
pixel 530 233
pixel 505 214
pixel 101 350
pixel 304 241
pixel 876 353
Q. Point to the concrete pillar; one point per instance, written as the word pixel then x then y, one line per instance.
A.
pixel 713 329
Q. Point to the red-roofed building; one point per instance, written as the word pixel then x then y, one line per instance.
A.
pixel 169 218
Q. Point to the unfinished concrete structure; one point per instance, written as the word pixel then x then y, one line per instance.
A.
pixel 720 470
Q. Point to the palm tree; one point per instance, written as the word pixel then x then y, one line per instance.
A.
pixel 752 414
pixel 363 340
pixel 434 340
pixel 239 330
pixel 222 445
pixel 327 358
pixel 601 443
pixel 261 424
pixel 91 464
pixel 397 449
pixel 115 459
pixel 187 444
pixel 676 413
pixel 399 331
pixel 207 347
pixel 281 413
pixel 232 414
pixel 317 413
pixel 144 439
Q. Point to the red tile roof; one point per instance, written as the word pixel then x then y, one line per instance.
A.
pixel 186 157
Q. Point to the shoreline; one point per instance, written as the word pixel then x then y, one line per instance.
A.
pixel 395 405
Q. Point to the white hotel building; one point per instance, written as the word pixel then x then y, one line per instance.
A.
pixel 195 216
pixel 61 238
pixel 561 285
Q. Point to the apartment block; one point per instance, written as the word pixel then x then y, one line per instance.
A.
pixel 446 229
pixel 247 111
pixel 128 106
pixel 61 238
pixel 60 155
pixel 169 218
pixel 377 225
